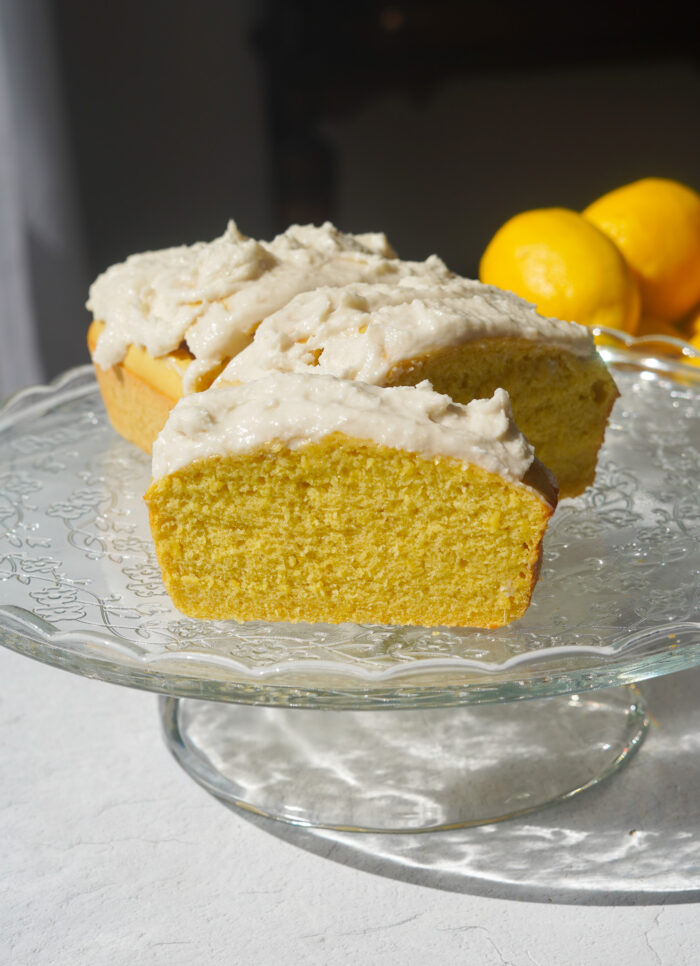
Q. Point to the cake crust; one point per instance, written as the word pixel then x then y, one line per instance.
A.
pixel 135 409
pixel 140 391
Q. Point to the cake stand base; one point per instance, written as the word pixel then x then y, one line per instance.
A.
pixel 404 771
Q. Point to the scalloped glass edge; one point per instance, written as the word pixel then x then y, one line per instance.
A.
pixel 318 687
pixel 42 631
pixel 636 351
pixel 524 675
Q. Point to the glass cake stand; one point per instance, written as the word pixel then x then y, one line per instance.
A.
pixel 370 728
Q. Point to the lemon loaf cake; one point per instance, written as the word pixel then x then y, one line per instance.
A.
pixel 303 497
pixel 467 339
pixel 166 322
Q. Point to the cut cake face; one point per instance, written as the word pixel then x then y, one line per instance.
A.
pixel 301 497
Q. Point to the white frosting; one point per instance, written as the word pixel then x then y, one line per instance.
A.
pixel 296 408
pixel 212 295
pixel 362 331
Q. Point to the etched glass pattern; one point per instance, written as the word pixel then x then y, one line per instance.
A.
pixel 617 599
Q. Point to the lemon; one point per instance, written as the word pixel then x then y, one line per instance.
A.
pixel 648 325
pixel 558 260
pixel 655 223
pixel 688 330
pixel 691 325
pixel 693 360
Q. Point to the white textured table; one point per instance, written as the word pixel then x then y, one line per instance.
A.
pixel 110 854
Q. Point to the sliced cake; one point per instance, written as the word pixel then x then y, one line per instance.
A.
pixel 167 322
pixel 305 497
pixel 467 340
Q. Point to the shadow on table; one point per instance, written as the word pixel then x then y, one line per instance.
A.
pixel 633 840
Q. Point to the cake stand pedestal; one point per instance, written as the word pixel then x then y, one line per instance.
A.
pixel 369 728
pixel 404 771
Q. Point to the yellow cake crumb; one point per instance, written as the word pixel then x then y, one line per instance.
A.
pixel 560 402
pixel 348 530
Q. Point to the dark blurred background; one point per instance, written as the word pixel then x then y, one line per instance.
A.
pixel 433 121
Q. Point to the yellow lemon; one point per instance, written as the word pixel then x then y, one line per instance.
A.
pixel 561 262
pixel 655 223
pixel 691 325
pixel 648 325
pixel 688 330
pixel 695 342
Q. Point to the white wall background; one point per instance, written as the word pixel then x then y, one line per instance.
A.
pixel 41 262
pixel 438 174
pixel 442 173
